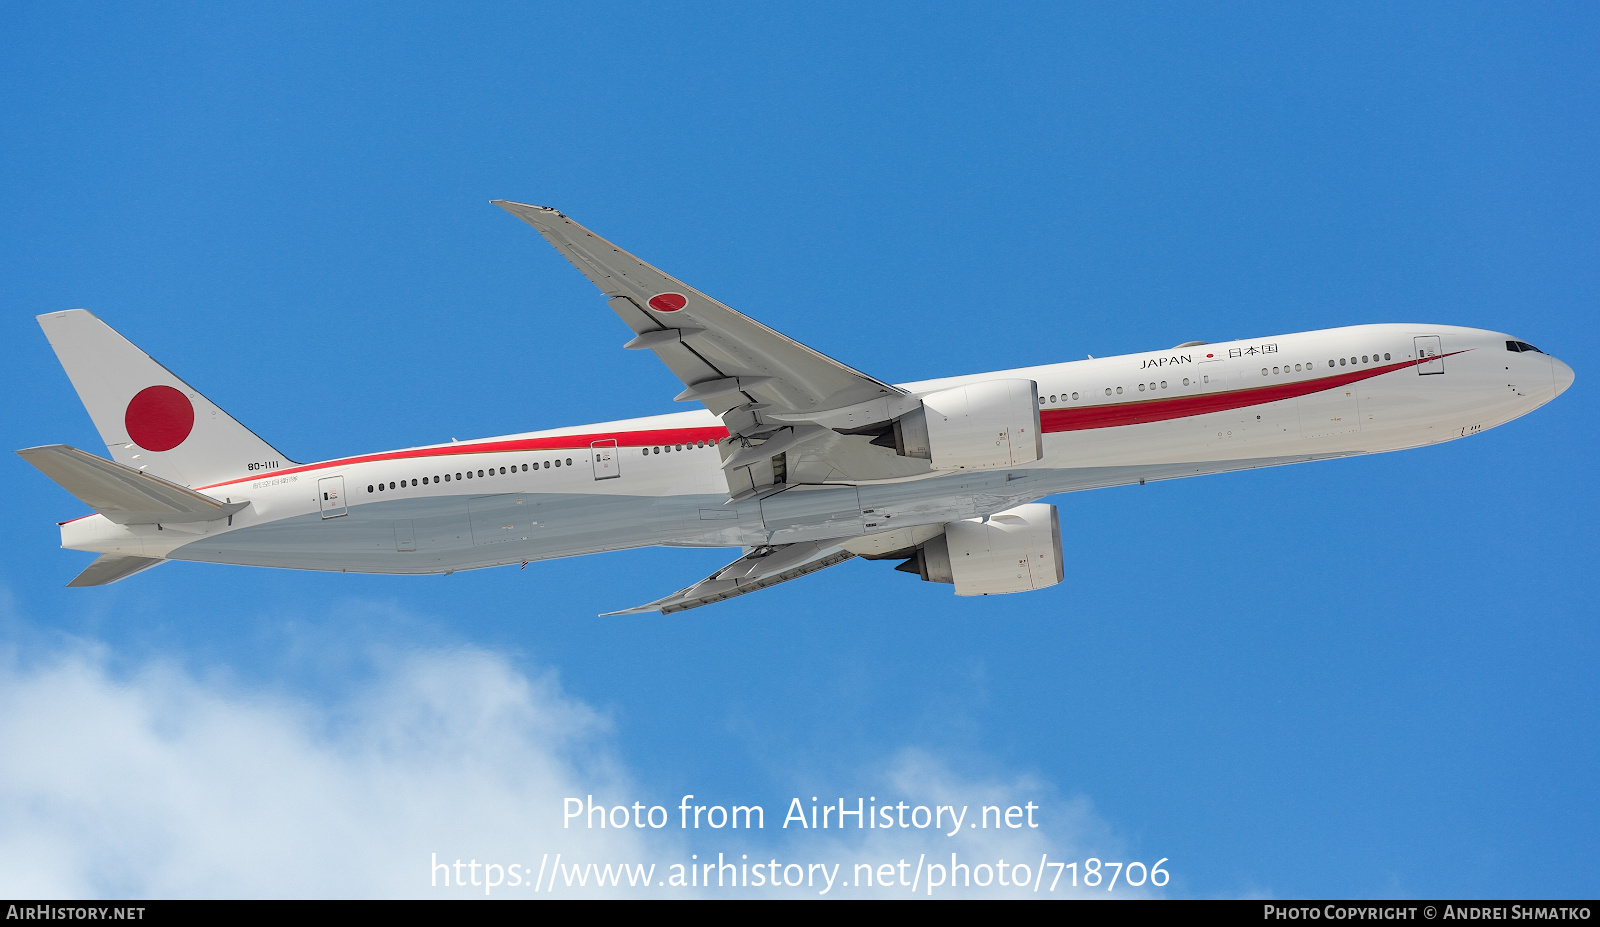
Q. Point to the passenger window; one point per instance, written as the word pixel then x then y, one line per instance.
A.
pixel 1385 357
pixel 569 461
pixel 1263 371
pixel 458 476
pixel 1341 362
pixel 1330 362
pixel 1141 387
pixel 1108 391
pixel 447 477
pixel 1119 391
pixel 1185 381
pixel 369 487
pixel 1163 384
pixel 1052 397
pixel 1074 395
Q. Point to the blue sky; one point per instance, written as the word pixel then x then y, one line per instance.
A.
pixel 1362 678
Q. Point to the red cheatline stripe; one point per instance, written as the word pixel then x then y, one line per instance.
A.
pixel 1052 420
pixel 557 443
pixel 1160 410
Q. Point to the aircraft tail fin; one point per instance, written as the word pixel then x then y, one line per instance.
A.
pixel 150 419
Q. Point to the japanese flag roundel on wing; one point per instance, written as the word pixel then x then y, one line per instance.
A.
pixel 668 302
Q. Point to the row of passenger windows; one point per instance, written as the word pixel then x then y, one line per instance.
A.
pixel 1353 360
pixel 1304 367
pixel 491 471
pixel 466 475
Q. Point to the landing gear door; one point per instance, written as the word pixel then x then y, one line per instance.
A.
pixel 330 495
pixel 604 456
pixel 1428 346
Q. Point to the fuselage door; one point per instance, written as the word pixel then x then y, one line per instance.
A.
pixel 1428 346
pixel 330 495
pixel 604 454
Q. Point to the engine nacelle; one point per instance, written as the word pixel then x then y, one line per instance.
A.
pixel 980 426
pixel 1012 551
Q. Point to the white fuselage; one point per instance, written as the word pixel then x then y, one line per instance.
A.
pixel 659 480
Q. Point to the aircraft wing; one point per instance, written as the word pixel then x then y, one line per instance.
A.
pixel 765 386
pixel 758 569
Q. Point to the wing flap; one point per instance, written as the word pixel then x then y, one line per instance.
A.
pixel 122 494
pixel 759 569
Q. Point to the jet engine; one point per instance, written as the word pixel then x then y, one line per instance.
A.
pixel 1012 551
pixel 979 426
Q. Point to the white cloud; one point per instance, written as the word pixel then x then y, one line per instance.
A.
pixel 1069 831
pixel 159 783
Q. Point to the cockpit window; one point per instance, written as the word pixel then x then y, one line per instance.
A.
pixel 1522 346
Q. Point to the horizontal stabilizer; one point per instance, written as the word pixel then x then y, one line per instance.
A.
pixel 122 494
pixel 108 568
pixel 758 569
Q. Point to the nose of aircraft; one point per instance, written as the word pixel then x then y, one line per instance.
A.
pixel 1562 375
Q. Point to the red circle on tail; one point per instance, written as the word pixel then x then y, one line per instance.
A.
pixel 159 418
pixel 668 302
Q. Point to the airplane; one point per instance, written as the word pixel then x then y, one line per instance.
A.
pixel 798 459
